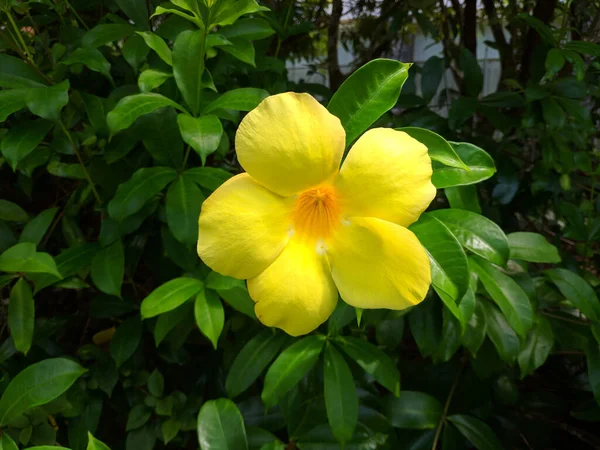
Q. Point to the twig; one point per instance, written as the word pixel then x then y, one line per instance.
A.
pixel 438 432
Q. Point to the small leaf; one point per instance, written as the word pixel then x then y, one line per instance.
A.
pixel 23 258
pixel 156 383
pixel 242 99
pixel 11 212
pixel 21 315
pixel 126 340
pixel 133 106
pixel 95 444
pixel 170 428
pixel 203 134
pixel 22 139
pixel 413 410
pixel 481 167
pixel 479 433
pixel 92 58
pixel 221 426
pixel 157 44
pixel 151 79
pixel 209 314
pixel 35 230
pixel 108 269
pixel 170 295
pixel 138 416
pixel 188 66
pixel 438 147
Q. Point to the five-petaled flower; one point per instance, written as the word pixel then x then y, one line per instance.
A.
pixel 300 229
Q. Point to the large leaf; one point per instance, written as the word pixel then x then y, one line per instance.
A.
pixel 476 233
pixel 290 367
pixel 507 294
pixel 367 94
pixel 242 99
pixel 481 167
pixel 37 385
pixel 210 316
pixel 188 66
pixel 21 315
pixel 132 195
pixel 439 148
pixel 341 400
pixel 133 106
pixel 108 268
pixel 23 258
pixel 373 361
pixel 170 295
pixel 203 134
pixel 15 73
pixel 577 291
pixel 449 266
pixel 501 334
pixel 22 139
pixel 532 247
pixel 221 426
pixel 537 347
pixel 479 433
pixel 252 360
pixel 184 200
pixel 413 410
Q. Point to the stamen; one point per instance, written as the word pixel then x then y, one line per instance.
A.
pixel 317 212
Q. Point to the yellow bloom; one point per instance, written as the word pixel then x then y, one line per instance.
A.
pixel 300 229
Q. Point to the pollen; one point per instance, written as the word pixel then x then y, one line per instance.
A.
pixel 317 212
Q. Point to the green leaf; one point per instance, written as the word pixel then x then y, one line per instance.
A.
pixel 227 12
pixel 252 29
pixel 373 361
pixel 290 367
pixel 23 258
pixel 151 79
pixel 95 444
pixel 106 33
pixel 593 362
pixel 11 212
pixel 554 115
pixel 367 94
pixel 252 360
pixel 481 167
pixel 132 195
pixel 170 295
pixel 36 385
pixel 463 197
pixel 169 320
pixel 221 426
pixel 473 76
pixel 341 400
pixel 203 134
pixel 135 51
pixel 242 99
pixel 431 76
pixel 63 170
pixel 584 47
pixel 15 73
pixel 449 336
pixel 11 101
pixel 577 291
pixel 137 11
pixel 479 433
pixel 439 148
pixel 413 410
pixel 476 233
pixel 156 383
pixel 538 346
pixel 92 58
pixel 170 428
pixel 184 200
pixel 138 416
pixel 210 316
pixel 242 49
pixel 6 443
pixel 475 330
pixel 208 177
pixel 108 269
pixel 542 29
pixel 501 334
pixel 239 299
pixel 21 315
pixel 22 139
pixel 449 266
pixel 507 294
pixel 126 340
pixel 133 106
pixel 157 44
pixel 35 230
pixel 188 66
pixel 532 247
pixel 554 62
pixel 161 10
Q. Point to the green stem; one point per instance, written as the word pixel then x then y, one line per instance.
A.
pixel 87 175
pixel 438 432
pixel 76 15
pixel 185 158
pixel 18 33
pixel 285 25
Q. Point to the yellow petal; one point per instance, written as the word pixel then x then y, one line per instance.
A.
pixel 387 175
pixel 296 293
pixel 290 142
pixel 378 264
pixel 243 227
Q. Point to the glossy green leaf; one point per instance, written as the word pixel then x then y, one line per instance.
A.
pixel 577 291
pixel 507 294
pixel 170 295
pixel 477 432
pixel 463 197
pixel 151 79
pixel 209 314
pixel 47 102
pixel 106 33
pixel 188 66
pixel 221 426
pixel 92 58
pixel 373 361
pixel 130 108
pixel 37 385
pixel 22 139
pixel 35 230
pixel 225 13
pixel 11 101
pixel 15 73
pixel 501 334
pixel 126 340
pixel 208 177
pixel 157 44
pixel 21 315
pixel 449 267
pixel 242 49
pixel 253 29
pixel 184 200
pixel 242 99
pixel 532 247
pixel 252 360
pixel 439 148
pixel 203 134
pixel 476 233
pixel 132 195
pixel 95 444
pixel 22 257
pixel 11 212
pixel 341 400
pixel 290 367
pixel 475 330
pixel 481 167
pixel 537 347
pixel 367 94
pixel 108 269
pixel 413 410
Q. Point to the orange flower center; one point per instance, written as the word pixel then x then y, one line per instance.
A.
pixel 317 212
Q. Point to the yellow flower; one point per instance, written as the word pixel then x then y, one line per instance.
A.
pixel 300 229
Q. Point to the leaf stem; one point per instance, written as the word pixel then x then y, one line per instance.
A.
pixel 18 33
pixel 438 432
pixel 76 15
pixel 85 171
pixel 185 158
